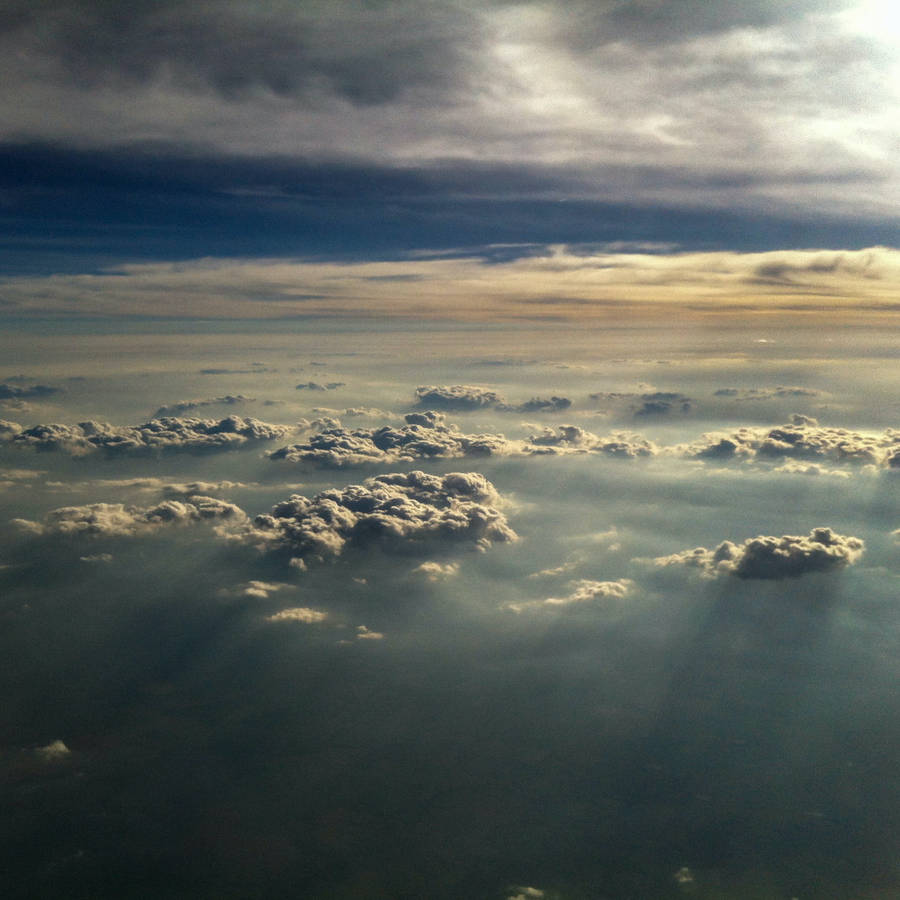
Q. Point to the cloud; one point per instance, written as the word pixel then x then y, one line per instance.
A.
pixel 573 439
pixel 396 512
pixel 183 406
pixel 425 436
pixel 435 571
pixel 166 434
pixel 53 752
pixel 649 403
pixel 461 397
pixel 606 593
pixel 788 556
pixel 802 438
pixel 539 405
pixel 118 520
pixel 304 614
pixel 744 394
pixel 261 590
pixel 13 392
pixel 316 386
pixel 365 634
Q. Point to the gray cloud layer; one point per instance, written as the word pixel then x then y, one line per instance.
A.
pixel 822 550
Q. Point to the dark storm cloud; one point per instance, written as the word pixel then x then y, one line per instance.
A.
pixel 118 520
pixel 399 511
pixel 157 435
pixel 424 436
pixel 168 203
pixel 788 556
pixel 456 397
pixel 183 406
pixel 364 53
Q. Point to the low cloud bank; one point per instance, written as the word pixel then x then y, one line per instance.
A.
pixel 788 556
pixel 165 434
pixel 118 520
pixel 397 511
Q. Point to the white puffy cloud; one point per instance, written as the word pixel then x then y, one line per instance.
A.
pixel 801 438
pixel 165 434
pixel 435 571
pixel 394 511
pixel 424 436
pixel 118 520
pixel 304 614
pixel 583 591
pixel 822 550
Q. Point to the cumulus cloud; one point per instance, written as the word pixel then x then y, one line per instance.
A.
pixel 261 590
pixel 118 520
pixel 304 614
pixel 435 571
pixel 165 434
pixel 456 397
pixel 183 406
pixel 573 439
pixel 398 511
pixel 788 556
pixel 584 591
pixel 801 438
pixel 424 436
pixel 53 752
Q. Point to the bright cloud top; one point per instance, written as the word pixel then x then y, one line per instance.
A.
pixel 788 556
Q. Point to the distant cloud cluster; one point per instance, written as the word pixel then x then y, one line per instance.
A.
pixel 424 436
pixel 183 406
pixel 394 511
pixel 538 405
pixel 766 393
pixel 802 438
pixel 318 386
pixel 304 614
pixel 648 403
pixel 16 392
pixel 460 397
pixel 157 435
pixel 788 556
pixel 572 439
pixel 118 520
pixel 435 571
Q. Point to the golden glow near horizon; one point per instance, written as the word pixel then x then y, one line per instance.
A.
pixel 559 284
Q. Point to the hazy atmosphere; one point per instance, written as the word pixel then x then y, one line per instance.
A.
pixel 450 450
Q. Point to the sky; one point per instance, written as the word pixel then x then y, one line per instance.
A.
pixel 449 449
